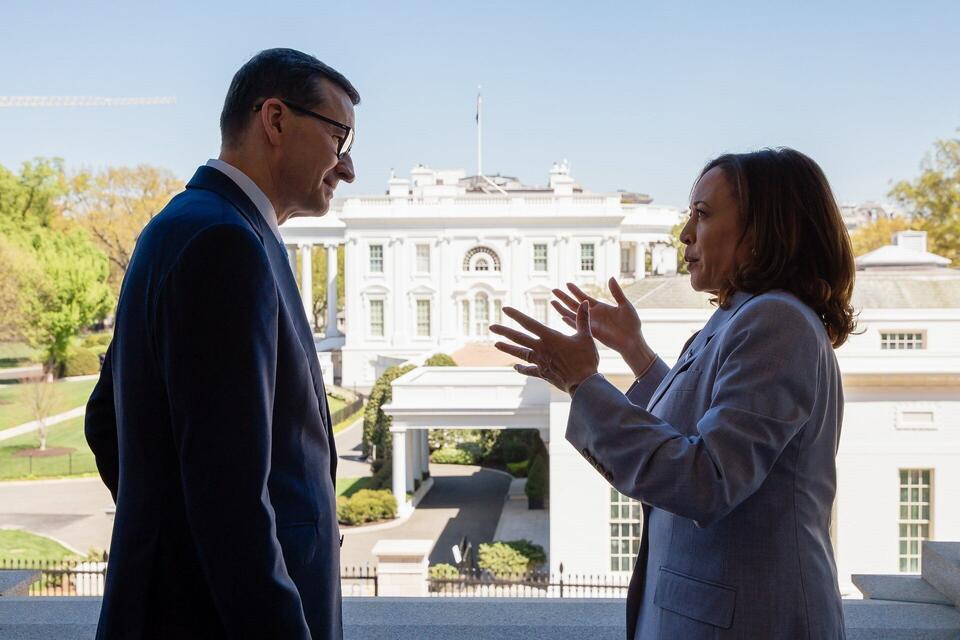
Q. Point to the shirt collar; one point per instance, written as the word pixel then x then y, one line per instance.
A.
pixel 252 191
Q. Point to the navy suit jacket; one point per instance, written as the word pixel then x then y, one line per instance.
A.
pixel 732 452
pixel 210 427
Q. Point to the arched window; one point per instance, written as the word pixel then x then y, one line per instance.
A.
pixel 480 258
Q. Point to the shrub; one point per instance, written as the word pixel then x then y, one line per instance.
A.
pixel 443 571
pixel 376 424
pixel 81 362
pixel 502 560
pixel 97 340
pixel 439 360
pixel 462 454
pixel 538 478
pixel 366 505
pixel 382 474
pixel 518 469
pixel 534 553
pixel 450 438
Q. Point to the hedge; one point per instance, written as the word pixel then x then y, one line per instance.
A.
pixel 538 477
pixel 81 362
pixel 366 505
pixel 376 424
pixel 510 558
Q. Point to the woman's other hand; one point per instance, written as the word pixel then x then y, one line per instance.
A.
pixel 563 361
pixel 615 326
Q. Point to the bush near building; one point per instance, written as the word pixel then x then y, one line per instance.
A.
pixel 365 506
pixel 510 558
pixel 461 454
pixel 376 424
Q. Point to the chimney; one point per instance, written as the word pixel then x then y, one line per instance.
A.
pixel 913 240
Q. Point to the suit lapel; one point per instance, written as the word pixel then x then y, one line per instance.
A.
pixel 697 343
pixel 211 179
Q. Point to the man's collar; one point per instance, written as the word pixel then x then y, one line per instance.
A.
pixel 252 191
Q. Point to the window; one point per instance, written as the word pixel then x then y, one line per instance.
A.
pixel 498 311
pixel 376 318
pixel 626 517
pixel 586 257
pixel 465 311
pixel 423 318
pixel 908 340
pixel 916 419
pixel 539 257
pixel 471 261
pixel 482 311
pixel 915 506
pixel 423 258
pixel 376 258
pixel 625 266
pixel 540 310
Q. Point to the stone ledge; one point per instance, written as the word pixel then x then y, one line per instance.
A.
pixel 17 582
pixel 75 618
pixel 902 588
pixel 940 567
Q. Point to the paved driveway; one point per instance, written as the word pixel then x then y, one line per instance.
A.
pixel 465 500
pixel 72 511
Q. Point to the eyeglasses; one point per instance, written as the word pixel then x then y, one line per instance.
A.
pixel 343 145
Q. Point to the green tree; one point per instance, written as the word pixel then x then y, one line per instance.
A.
pixel 675 238
pixel 879 233
pixel 30 199
pixel 934 198
pixel 376 424
pixel 114 205
pixel 68 291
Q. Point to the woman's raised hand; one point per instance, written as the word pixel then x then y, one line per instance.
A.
pixel 616 326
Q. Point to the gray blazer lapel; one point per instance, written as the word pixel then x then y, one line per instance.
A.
pixel 697 343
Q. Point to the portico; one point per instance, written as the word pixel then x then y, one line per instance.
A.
pixel 461 398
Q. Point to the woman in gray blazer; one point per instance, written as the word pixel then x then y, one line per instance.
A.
pixel 732 451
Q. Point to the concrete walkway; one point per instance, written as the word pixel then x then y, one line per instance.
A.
pixel 71 511
pixel 350 464
pixel 30 427
pixel 519 522
pixel 465 500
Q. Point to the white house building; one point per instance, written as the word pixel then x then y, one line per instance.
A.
pixel 432 263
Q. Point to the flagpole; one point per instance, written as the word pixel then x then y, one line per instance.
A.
pixel 479 132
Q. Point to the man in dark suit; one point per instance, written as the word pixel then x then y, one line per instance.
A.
pixel 210 423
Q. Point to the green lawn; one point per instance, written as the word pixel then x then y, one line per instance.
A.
pixel 349 486
pixel 335 404
pixel 16 354
pixel 65 434
pixel 14 400
pixel 21 545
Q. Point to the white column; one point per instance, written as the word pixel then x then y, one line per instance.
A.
pixel 411 459
pixel 292 256
pixel 639 260
pixel 400 467
pixel 332 330
pixel 425 443
pixel 306 281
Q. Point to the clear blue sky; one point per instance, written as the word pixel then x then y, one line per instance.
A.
pixel 637 95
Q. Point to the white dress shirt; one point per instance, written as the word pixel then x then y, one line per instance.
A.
pixel 252 191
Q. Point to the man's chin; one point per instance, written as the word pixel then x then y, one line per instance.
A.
pixel 312 211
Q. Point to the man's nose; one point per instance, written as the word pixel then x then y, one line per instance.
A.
pixel 344 169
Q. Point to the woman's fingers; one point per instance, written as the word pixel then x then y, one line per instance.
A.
pixel 512 334
pixel 617 292
pixel 515 351
pixel 526 322
pixel 563 311
pixel 581 296
pixel 567 300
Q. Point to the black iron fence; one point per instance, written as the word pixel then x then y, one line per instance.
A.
pixel 87 577
pixel 68 464
pixel 482 583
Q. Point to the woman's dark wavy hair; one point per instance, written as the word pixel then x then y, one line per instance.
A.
pixel 800 243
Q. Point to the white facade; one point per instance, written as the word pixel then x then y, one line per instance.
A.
pixel 450 256
pixel 429 265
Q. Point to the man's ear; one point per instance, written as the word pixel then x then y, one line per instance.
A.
pixel 273 120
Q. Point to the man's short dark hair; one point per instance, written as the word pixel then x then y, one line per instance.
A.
pixel 276 73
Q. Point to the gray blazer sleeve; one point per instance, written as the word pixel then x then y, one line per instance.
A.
pixel 642 389
pixel 762 395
